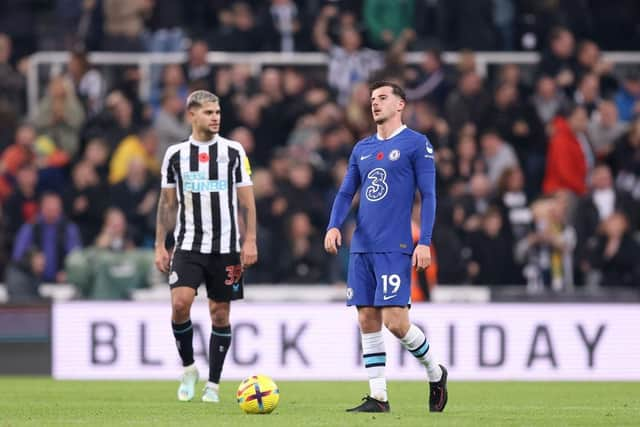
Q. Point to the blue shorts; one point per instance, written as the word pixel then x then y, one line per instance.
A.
pixel 379 279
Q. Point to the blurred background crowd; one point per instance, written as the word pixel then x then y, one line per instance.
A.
pixel 538 167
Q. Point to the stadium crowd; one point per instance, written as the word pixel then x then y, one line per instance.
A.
pixel 538 170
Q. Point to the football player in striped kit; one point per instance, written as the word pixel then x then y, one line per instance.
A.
pixel 206 180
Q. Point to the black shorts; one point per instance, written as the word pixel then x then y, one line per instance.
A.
pixel 221 274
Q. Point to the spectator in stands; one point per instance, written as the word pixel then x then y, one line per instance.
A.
pixel 385 20
pixel 336 143
pixel 137 196
pixel 60 115
pixel 272 104
pixel 86 199
pixel 625 161
pixel 548 249
pixel 283 29
pixel 588 93
pixel 222 38
pixel 197 69
pixel 22 206
pixel 497 154
pixel 166 25
pixel 169 124
pixel 88 82
pixel 492 252
pixel 173 80
pixel 613 255
pixel 302 259
pixel 598 205
pixel 446 171
pixel 517 124
pixel 114 234
pixel 424 118
pixel 513 202
pixel 467 25
pixel 143 146
pixel 569 157
pixel 589 61
pixel 112 268
pixel 547 100
pixel 114 123
pixel 428 83
pixel 467 103
pixel 474 204
pixel 605 129
pixel 245 137
pixel 558 61
pixel 628 97
pixel 449 250
pixel 244 35
pixel 124 24
pixel 12 82
pixel 96 154
pixel 349 63
pixel 468 161
pixel 512 74
pixel 48 240
pixel 300 196
pixel 357 111
pixel 15 156
pixel 294 87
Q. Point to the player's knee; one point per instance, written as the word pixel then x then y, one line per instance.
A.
pixel 397 327
pixel 369 323
pixel 219 316
pixel 180 308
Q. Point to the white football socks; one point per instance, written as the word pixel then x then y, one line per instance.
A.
pixel 416 342
pixel 375 359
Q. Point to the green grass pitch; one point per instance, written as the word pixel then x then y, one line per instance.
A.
pixel 46 402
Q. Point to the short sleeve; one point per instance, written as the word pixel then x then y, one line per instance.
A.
pixel 243 171
pixel 168 172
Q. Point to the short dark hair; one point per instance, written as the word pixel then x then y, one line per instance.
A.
pixel 395 88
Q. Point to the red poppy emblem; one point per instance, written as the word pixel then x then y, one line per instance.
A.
pixel 203 157
pixel 380 156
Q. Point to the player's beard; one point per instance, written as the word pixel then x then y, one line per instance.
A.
pixel 205 130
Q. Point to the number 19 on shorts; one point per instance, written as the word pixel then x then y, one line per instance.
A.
pixel 390 280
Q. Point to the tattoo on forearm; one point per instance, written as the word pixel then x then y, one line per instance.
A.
pixel 165 218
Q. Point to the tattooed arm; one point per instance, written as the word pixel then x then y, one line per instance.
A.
pixel 165 222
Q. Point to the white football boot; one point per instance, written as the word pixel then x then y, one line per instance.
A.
pixel 188 383
pixel 210 393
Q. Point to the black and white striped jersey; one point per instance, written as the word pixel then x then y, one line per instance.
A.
pixel 206 176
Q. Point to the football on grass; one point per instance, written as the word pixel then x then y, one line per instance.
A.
pixel 258 394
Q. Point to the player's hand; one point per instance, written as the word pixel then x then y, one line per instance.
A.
pixel 332 241
pixel 162 259
pixel 421 258
pixel 249 253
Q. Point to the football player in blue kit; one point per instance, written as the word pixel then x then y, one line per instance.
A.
pixel 388 167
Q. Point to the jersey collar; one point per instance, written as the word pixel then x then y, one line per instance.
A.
pixel 210 142
pixel 394 133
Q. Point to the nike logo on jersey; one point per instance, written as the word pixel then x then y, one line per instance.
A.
pixel 365 157
pixel 388 297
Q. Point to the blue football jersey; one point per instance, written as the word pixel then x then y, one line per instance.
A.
pixel 388 172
